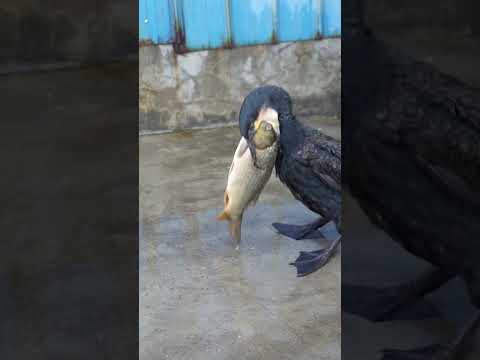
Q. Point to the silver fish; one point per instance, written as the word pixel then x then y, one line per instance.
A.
pixel 245 180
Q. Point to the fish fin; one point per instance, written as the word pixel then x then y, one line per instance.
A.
pixel 223 216
pixel 226 199
pixel 236 228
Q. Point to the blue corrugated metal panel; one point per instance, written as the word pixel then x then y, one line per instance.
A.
pixel 332 18
pixel 252 21
pixel 218 23
pixel 205 23
pixel 297 19
pixel 156 21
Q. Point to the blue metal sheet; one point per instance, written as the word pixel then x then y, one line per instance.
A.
pixel 217 23
pixel 205 23
pixel 251 21
pixel 331 17
pixel 156 21
pixel 296 20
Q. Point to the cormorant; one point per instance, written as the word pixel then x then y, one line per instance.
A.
pixel 412 157
pixel 308 163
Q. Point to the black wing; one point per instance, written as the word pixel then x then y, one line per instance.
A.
pixel 439 126
pixel 313 173
pixel 414 164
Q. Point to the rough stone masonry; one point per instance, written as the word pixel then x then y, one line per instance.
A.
pixel 206 88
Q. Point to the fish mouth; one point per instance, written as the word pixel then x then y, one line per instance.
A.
pixel 264 135
pixel 251 144
pixel 267 120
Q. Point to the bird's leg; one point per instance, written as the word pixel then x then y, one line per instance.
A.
pixel 448 351
pixel 309 262
pixel 382 304
pixel 299 232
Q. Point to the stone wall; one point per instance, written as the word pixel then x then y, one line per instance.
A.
pixel 206 88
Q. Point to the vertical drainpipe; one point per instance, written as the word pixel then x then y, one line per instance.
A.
pixel 274 22
pixel 228 21
pixel 319 7
pixel 179 44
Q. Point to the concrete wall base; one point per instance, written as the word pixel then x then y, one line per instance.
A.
pixel 206 88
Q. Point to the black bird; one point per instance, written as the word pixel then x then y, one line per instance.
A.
pixel 308 162
pixel 412 155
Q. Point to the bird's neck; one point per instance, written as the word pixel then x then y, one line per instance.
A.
pixel 291 133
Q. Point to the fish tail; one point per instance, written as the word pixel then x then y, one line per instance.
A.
pixel 236 228
pixel 224 215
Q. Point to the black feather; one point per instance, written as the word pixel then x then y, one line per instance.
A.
pixel 412 154
pixel 310 165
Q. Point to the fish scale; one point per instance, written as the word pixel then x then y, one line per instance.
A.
pixel 245 182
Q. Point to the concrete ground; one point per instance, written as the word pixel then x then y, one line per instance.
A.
pixel 202 299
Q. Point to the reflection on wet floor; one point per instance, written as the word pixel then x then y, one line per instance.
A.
pixel 199 297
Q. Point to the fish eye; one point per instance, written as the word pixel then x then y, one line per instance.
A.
pixel 267 126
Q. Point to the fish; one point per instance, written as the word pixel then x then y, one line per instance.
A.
pixel 246 180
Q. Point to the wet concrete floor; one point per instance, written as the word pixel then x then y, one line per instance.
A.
pixel 202 299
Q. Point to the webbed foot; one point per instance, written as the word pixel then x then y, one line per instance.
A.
pixel 383 304
pixel 310 261
pixel 377 304
pixel 299 232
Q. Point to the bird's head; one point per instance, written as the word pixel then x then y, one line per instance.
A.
pixel 263 104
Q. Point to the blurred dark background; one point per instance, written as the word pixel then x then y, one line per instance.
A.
pixel 447 35
pixel 448 15
pixel 69 184
pixel 34 33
